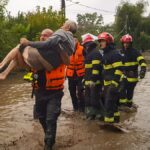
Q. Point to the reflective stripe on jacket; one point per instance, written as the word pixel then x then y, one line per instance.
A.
pixel 131 60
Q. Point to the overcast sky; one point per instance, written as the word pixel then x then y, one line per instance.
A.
pixel 106 7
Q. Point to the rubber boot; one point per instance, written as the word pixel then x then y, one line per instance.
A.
pixel 116 119
pixel 99 115
pixel 35 115
pixel 92 113
pixel 49 144
pixel 48 147
pixel 87 110
pixel 89 113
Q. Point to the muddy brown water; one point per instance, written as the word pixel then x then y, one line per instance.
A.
pixel 18 130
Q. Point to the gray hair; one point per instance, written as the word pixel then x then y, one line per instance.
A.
pixel 72 26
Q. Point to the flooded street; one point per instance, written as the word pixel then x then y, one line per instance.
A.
pixel 15 108
pixel 18 130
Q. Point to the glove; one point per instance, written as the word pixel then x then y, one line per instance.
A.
pixel 92 84
pixel 83 81
pixel 142 74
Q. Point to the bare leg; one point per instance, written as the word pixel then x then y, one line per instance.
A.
pixel 21 62
pixel 10 56
pixel 16 62
pixel 11 66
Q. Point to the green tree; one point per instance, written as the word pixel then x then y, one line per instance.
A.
pixel 89 23
pixel 129 19
pixel 3 35
pixel 3 3
pixel 41 19
pixel 28 24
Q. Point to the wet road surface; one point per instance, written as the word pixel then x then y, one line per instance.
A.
pixel 18 130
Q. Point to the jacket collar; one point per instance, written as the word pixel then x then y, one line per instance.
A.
pixel 108 49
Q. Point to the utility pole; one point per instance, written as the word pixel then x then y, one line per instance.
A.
pixel 63 9
pixel 126 25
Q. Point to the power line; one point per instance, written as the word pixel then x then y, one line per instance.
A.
pixel 78 3
pixel 124 28
pixel 70 5
pixel 126 24
pixel 84 11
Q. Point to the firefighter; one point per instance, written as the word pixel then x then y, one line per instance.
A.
pixel 132 59
pixel 75 72
pixel 112 72
pixel 49 92
pixel 93 78
pixel 45 34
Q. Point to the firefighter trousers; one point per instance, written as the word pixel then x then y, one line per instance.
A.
pixel 92 96
pixel 111 98
pixel 48 108
pixel 126 95
pixel 76 90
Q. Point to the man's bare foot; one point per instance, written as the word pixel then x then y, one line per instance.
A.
pixel 2 76
pixel 17 46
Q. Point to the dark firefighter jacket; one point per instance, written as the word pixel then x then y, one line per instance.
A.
pixel 93 67
pixel 112 67
pixel 132 59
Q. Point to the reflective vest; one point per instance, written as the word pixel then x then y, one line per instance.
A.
pixel 53 80
pixel 56 78
pixel 76 63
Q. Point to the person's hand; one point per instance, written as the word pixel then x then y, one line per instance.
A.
pixel 92 84
pixel 142 74
pixel 24 41
pixel 83 81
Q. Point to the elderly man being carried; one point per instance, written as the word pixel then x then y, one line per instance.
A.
pixel 43 54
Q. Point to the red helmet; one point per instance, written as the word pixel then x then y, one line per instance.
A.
pixel 106 36
pixel 88 38
pixel 126 39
